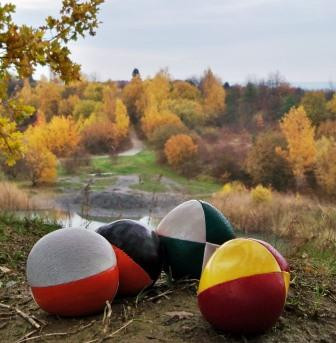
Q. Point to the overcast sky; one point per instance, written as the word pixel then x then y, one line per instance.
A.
pixel 238 39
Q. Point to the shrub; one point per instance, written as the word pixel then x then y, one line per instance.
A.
pixel 261 194
pixel 100 137
pixel 232 187
pixel 267 167
pixel 180 149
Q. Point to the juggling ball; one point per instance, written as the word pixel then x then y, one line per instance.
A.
pixel 189 234
pixel 72 272
pixel 138 254
pixel 243 286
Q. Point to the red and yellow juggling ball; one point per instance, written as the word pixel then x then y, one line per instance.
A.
pixel 243 286
pixel 72 272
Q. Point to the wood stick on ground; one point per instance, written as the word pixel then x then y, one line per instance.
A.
pixel 111 335
pixel 25 316
pixel 23 338
pixel 115 332
pixel 56 333
pixel 159 295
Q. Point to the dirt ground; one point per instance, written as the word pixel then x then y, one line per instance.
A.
pixel 166 313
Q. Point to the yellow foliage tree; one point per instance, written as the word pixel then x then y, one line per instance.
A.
pixel 179 148
pixel 185 90
pixel 213 94
pixel 325 170
pixel 67 106
pixel 40 161
pixel 49 95
pixel 299 134
pixel 121 120
pixel 153 119
pixel 11 140
pixel 133 96
pixel 158 88
pixel 62 136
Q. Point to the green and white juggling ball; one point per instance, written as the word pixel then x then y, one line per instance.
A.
pixel 189 234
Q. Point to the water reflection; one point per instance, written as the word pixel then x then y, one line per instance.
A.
pixel 75 220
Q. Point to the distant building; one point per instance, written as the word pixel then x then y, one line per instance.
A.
pixel 135 72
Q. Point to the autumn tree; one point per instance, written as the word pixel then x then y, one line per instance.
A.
pixel 213 95
pixel 94 91
pixel 158 88
pixel 62 136
pixel 179 149
pixel 301 147
pixel 314 104
pixel 85 107
pixel 121 120
pixel 190 111
pixel 153 118
pixel 23 48
pixel 265 166
pixel 133 96
pixel 331 106
pixel 109 100
pixel 100 137
pixel 325 170
pixel 49 97
pixel 185 90
pixel 67 106
pixel 40 161
pixel 327 129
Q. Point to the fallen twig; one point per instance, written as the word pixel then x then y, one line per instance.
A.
pixel 159 295
pixel 112 334
pixel 115 332
pixel 22 339
pixel 56 333
pixel 25 316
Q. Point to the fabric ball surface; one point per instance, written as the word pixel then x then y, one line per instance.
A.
pixel 138 254
pixel 189 234
pixel 72 272
pixel 243 287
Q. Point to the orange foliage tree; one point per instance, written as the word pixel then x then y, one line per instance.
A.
pixel 41 163
pixel 301 147
pixel 179 149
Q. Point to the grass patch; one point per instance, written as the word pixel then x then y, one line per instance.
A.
pixel 103 182
pixel 144 164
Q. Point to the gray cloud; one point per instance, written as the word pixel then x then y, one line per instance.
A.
pixel 236 38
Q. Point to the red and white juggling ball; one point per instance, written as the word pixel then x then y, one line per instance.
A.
pixel 72 272
pixel 243 286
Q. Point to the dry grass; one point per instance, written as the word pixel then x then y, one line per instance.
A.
pixel 298 218
pixel 12 198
